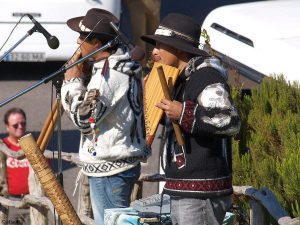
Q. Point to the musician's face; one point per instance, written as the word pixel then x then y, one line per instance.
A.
pixel 88 46
pixel 165 54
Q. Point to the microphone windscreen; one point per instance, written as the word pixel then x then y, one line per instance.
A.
pixel 137 53
pixel 53 42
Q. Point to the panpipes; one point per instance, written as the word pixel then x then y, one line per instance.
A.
pixel 153 93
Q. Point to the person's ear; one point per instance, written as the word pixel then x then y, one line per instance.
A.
pixel 7 128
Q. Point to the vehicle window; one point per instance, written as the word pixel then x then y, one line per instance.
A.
pixel 232 34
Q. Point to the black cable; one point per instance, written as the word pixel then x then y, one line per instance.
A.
pixel 12 32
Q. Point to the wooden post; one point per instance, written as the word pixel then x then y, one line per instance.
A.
pixel 3 215
pixel 37 216
pixel 3 180
pixel 3 187
pixel 258 214
pixel 84 206
pixel 137 191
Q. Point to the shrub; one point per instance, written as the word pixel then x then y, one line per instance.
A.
pixel 266 152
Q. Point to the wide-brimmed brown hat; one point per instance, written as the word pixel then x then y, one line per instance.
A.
pixel 97 21
pixel 178 31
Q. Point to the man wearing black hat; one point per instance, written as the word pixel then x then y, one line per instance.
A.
pixel 198 177
pixel 106 108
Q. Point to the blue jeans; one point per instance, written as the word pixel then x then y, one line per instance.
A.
pixel 194 211
pixel 112 191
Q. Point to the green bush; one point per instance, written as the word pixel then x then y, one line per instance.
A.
pixel 266 153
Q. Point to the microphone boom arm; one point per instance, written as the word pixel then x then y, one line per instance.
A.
pixel 136 52
pixel 59 71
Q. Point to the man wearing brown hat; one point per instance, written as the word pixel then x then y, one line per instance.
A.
pixel 198 177
pixel 106 107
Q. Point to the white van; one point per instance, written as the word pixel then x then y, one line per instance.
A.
pixel 258 38
pixel 52 15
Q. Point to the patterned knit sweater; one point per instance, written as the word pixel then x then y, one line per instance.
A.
pixel 203 168
pixel 108 112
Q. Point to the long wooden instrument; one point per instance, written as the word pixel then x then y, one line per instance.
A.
pixel 48 127
pixel 49 182
pixel 53 189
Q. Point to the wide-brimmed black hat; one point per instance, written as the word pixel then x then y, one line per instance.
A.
pixel 96 21
pixel 178 31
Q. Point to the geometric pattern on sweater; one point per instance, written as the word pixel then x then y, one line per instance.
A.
pixel 187 119
pixel 199 185
pixel 108 166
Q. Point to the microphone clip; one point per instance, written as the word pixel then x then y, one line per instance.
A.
pixel 136 52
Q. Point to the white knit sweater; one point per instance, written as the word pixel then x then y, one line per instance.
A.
pixel 116 97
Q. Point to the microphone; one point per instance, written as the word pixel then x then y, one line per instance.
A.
pixel 53 42
pixel 137 53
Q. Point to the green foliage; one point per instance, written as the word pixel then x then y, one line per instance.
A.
pixel 296 208
pixel 289 172
pixel 266 152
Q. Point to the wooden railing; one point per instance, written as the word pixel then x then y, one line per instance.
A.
pixel 261 201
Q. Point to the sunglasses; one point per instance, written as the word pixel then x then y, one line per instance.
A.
pixel 23 124
pixel 82 36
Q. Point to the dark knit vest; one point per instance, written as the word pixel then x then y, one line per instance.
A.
pixel 208 169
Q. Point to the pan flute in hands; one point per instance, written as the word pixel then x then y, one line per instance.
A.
pixel 153 93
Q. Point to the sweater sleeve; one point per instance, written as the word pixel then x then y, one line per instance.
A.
pixel 75 102
pixel 211 110
pixel 85 105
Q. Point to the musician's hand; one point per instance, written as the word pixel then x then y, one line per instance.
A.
pixel 145 79
pixel 75 71
pixel 171 108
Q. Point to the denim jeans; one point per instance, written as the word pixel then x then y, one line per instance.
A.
pixel 112 191
pixel 193 211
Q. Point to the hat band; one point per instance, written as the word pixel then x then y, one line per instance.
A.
pixel 83 28
pixel 164 31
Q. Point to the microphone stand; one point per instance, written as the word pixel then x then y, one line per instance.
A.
pixel 57 82
pixel 30 32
